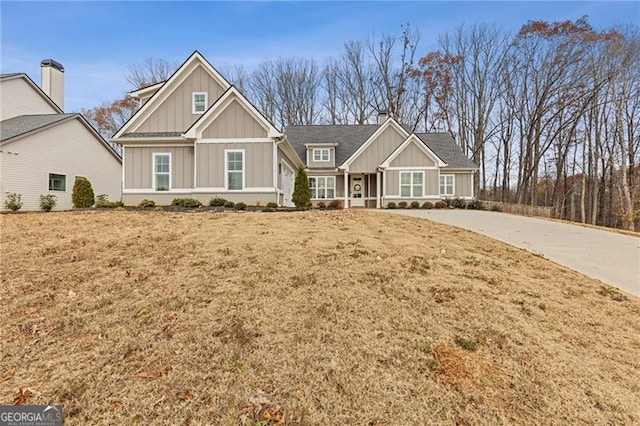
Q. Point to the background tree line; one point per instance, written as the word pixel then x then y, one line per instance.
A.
pixel 549 114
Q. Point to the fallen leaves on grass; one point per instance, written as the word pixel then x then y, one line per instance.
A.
pixel 23 397
pixel 144 375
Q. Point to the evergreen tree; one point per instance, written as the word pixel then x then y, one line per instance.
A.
pixel 302 192
pixel 82 195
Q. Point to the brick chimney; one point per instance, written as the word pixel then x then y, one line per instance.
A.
pixel 52 75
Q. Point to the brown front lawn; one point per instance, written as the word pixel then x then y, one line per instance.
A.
pixel 337 317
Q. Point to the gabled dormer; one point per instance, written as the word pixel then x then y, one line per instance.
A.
pixel 321 155
pixel 174 105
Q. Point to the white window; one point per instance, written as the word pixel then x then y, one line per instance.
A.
pixel 234 169
pixel 162 171
pixel 321 154
pixel 199 102
pixel 322 187
pixel 446 185
pixel 57 182
pixel 411 184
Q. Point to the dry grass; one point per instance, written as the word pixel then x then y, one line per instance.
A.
pixel 346 317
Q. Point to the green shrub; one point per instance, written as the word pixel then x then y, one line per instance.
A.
pixel 457 203
pixel 241 206
pixel 415 205
pixel 82 195
pixel 334 204
pixel 186 202
pixel 427 205
pixel 496 208
pixel 391 205
pixel 144 204
pixel 47 202
pixel 13 201
pixel 271 205
pixel 440 205
pixel 229 204
pixel 466 344
pixel 475 205
pixel 102 201
pixel 301 193
pixel 322 205
pixel 217 202
pixel 402 205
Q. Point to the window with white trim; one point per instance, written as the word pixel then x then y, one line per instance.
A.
pixel 235 169
pixel 447 185
pixel 322 187
pixel 411 184
pixel 199 102
pixel 162 171
pixel 57 182
pixel 321 154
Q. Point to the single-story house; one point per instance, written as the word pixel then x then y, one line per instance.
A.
pixel 195 135
pixel 43 150
pixel 373 164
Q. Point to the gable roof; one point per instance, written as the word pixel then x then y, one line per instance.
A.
pixel 146 89
pixel 446 148
pixel 219 106
pixel 34 86
pixel 390 122
pixel 165 90
pixel 347 137
pixel 421 145
pixel 14 128
pixel 350 137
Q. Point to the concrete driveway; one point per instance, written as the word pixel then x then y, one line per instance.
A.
pixel 608 256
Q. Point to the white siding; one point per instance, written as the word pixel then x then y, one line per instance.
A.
pixel 17 97
pixel 68 149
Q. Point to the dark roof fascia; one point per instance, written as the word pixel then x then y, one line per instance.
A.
pixel 37 129
pixel 64 120
pixel 100 138
pixel 148 85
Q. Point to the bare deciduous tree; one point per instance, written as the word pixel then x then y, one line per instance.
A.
pixel 150 71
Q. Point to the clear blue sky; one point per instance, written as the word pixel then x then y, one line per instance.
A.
pixel 97 41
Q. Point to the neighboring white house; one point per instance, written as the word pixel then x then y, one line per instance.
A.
pixel 43 150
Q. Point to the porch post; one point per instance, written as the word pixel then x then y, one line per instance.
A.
pixel 346 189
pixel 378 195
pixel 384 189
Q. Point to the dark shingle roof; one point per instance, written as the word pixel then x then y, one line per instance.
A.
pixel 16 126
pixel 152 135
pixel 445 147
pixel 348 137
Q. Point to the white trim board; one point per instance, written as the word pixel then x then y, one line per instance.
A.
pixel 234 140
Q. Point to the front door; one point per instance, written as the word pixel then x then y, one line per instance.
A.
pixel 357 191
